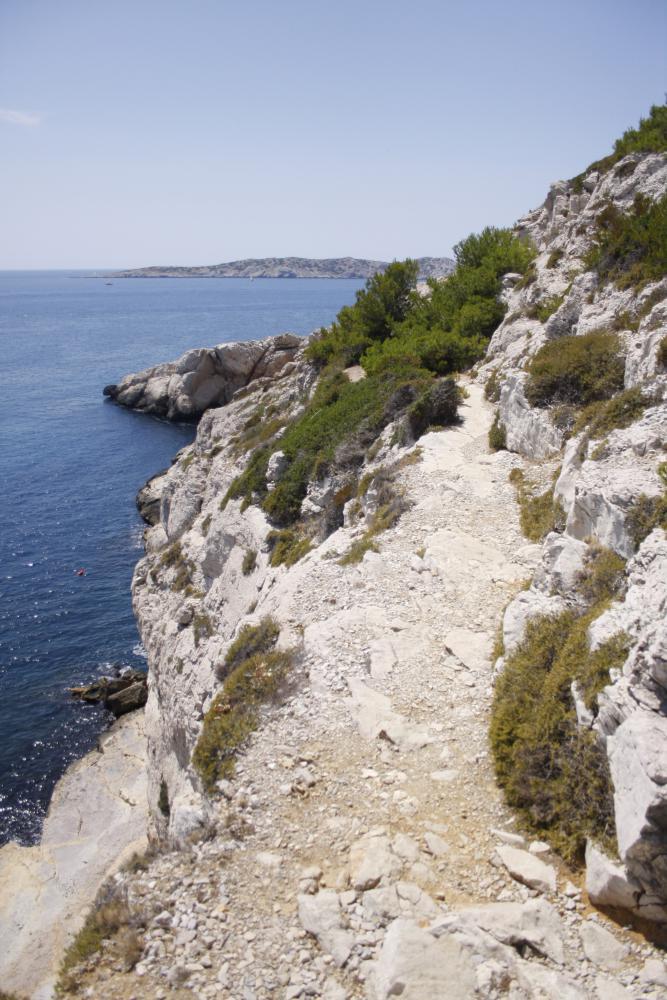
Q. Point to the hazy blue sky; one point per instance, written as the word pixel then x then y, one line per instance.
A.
pixel 141 132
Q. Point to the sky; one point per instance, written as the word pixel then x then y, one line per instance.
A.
pixel 146 132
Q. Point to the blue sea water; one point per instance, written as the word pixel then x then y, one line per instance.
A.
pixel 71 464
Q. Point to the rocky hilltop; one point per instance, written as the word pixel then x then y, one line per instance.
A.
pixel 291 267
pixel 407 638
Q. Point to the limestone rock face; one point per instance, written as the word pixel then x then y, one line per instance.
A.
pixel 204 378
pixel 602 484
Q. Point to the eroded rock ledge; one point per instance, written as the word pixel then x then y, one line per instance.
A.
pixel 203 378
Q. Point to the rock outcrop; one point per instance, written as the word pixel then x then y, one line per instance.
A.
pixel 204 378
pixel 291 267
pixel 601 486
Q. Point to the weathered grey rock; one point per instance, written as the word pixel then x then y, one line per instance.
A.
pixel 529 431
pixel 535 924
pixel 654 973
pixel 601 947
pixel 321 916
pixel 203 378
pixel 526 868
pixel 371 860
pixel 376 718
pixel 416 965
pixel 548 984
pixel 608 883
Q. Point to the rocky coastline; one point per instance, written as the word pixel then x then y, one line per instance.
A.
pixel 359 845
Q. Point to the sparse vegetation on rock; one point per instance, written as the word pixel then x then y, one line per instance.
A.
pixel 577 370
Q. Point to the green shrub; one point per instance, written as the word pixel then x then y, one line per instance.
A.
pixel 249 562
pixel 543 310
pixel 661 356
pixel 340 422
pixel 163 800
pixel 202 626
pixel 577 370
pixel 631 247
pixel 497 435
pixel 110 917
pixel 603 575
pixel 553 772
pixel 172 555
pixel 539 513
pixel 492 386
pixel 620 411
pixel 251 640
pixel 287 547
pixel 646 514
pixel 649 137
pixel 234 713
pixel 391 504
pixel 555 258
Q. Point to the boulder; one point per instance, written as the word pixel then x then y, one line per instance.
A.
pixel 601 947
pixel 528 869
pixel 321 916
pixel 204 377
pixel 416 965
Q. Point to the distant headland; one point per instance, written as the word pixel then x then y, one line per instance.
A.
pixel 290 267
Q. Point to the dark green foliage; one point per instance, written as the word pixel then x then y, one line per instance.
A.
pixel 649 137
pixel 234 712
pixel 251 640
pixel 543 310
pixel 539 512
pixel 553 772
pixel 646 514
pixel 497 435
pixel 436 407
pixel 577 370
pixel 385 302
pixel 202 626
pixel 603 575
pixel 611 414
pixel 662 353
pixel 249 562
pixel 287 547
pixel 339 424
pixel 631 248
pixel 555 258
pixel 492 387
pixel 444 332
pixel 163 800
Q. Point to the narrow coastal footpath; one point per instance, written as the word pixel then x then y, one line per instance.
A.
pixel 369 795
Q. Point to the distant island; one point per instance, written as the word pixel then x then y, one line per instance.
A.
pixel 290 267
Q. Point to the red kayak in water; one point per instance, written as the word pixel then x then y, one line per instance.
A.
pixel 80 572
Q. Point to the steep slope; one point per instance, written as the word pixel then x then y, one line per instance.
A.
pixel 610 485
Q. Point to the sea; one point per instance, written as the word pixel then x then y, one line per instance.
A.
pixel 71 463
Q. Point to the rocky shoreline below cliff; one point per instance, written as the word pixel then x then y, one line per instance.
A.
pixel 333 708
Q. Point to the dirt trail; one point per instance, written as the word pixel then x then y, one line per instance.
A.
pixel 376 772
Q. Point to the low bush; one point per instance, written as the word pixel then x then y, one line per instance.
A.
pixel 202 626
pixel 249 564
pixel 555 258
pixel 163 800
pixel 601 418
pixel 576 370
pixel 492 386
pixel 110 918
pixel 287 547
pixel 603 575
pixel 646 514
pixel 391 504
pixel 497 435
pixel 546 308
pixel 234 713
pixel 631 247
pixel 251 640
pixel 649 137
pixel 539 513
pixel 553 772
pixel 661 356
